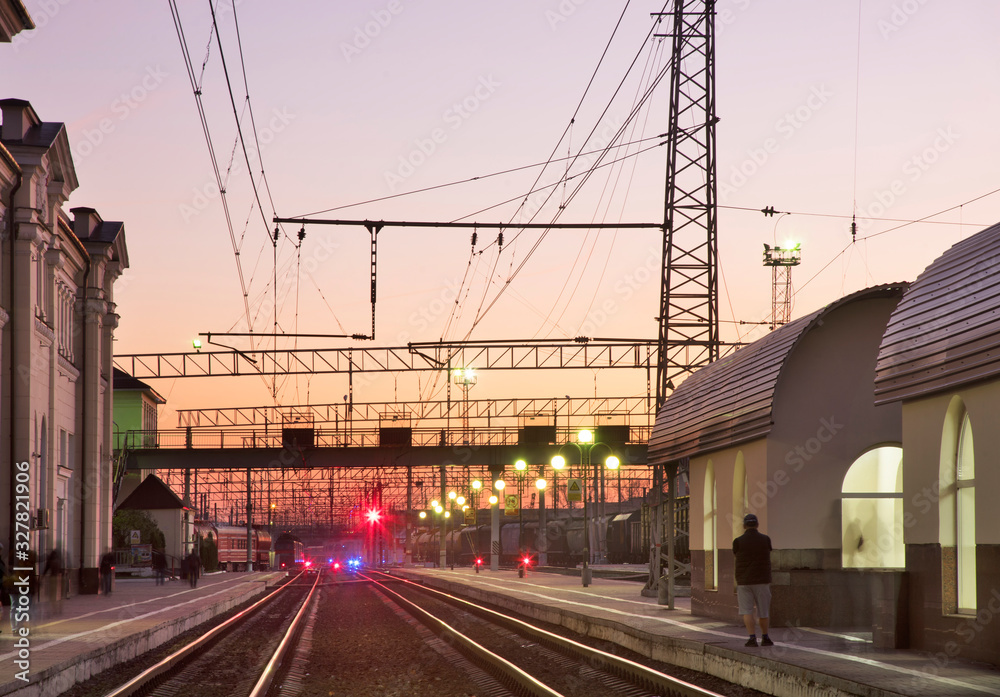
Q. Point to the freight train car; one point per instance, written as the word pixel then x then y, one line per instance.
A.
pixel 289 552
pixel 627 537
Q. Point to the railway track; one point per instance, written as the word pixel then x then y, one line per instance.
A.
pixel 238 657
pixel 525 659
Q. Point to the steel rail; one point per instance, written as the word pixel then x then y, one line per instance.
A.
pixel 636 673
pixel 500 668
pixel 143 679
pixel 271 669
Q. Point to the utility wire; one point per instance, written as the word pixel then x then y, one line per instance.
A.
pixel 196 89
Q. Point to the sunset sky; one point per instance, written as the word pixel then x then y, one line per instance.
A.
pixel 886 109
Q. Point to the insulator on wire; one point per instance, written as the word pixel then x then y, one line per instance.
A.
pixel 277 234
pixel 474 237
pixel 854 230
pixel 302 233
pixel 500 240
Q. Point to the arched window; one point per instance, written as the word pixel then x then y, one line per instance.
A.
pixel 711 529
pixel 965 519
pixel 872 511
pixel 740 498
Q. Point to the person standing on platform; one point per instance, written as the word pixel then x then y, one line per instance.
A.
pixel 753 578
pixel 159 566
pixel 194 568
pixel 107 569
pixel 53 580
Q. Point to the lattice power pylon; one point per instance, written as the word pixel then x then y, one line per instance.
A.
pixel 781 260
pixel 689 295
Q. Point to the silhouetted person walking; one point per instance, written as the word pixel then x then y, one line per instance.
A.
pixel 160 566
pixel 194 569
pixel 753 578
pixel 107 569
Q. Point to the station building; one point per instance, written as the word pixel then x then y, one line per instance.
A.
pixel 863 437
pixel 788 428
pixel 57 314
pixel 940 362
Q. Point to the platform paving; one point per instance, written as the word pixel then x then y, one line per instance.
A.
pixel 91 633
pixel 804 661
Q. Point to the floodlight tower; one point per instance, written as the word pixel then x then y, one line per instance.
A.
pixel 781 260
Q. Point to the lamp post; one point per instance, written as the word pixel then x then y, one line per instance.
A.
pixel 520 466
pixel 498 486
pixel 557 462
pixel 584 445
pixel 542 538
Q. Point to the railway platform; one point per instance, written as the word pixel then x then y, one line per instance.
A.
pixel 804 661
pixel 90 633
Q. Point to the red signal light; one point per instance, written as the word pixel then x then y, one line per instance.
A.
pixel 479 561
pixel 309 563
pixel 336 565
pixel 526 560
pixel 373 516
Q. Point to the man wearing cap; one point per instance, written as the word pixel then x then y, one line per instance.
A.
pixel 753 578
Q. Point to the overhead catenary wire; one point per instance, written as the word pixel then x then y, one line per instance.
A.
pixel 197 91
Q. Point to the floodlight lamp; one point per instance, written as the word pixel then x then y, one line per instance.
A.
pixel 447 514
pixel 477 485
pixel 540 484
pixel 423 514
pixel 493 500
pixel 434 504
pixel 585 436
pixel 612 462
pixel 520 465
pixel 439 509
pixel 460 500
pixel 558 462
pixel 452 495
pixel 499 485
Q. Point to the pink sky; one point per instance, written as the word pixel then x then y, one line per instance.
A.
pixel 355 101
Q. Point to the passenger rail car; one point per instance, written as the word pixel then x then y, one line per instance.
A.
pixel 289 552
pixel 231 543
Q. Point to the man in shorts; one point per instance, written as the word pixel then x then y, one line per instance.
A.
pixel 753 578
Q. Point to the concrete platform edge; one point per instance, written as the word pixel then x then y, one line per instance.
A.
pixel 57 679
pixel 757 672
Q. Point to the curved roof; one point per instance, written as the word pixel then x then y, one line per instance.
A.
pixel 946 330
pixel 730 401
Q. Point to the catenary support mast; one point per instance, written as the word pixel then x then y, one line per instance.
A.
pixel 689 294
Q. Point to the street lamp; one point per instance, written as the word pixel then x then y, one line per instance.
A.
pixel 542 539
pixel 557 462
pixel 498 486
pixel 520 466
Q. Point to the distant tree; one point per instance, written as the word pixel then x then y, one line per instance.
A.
pixel 125 521
pixel 209 553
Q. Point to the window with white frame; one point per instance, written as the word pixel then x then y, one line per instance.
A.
pixel 872 511
pixel 965 519
pixel 711 529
